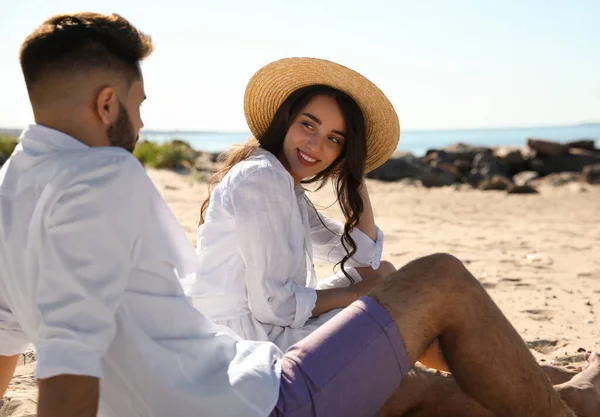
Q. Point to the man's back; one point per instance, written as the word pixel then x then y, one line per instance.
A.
pixel 91 259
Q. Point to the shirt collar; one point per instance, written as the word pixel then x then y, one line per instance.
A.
pixel 298 189
pixel 40 138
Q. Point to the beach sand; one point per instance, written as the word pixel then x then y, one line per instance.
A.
pixel 538 255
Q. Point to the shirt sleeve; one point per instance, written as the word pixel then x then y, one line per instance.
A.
pixel 12 338
pixel 88 233
pixel 262 206
pixel 327 233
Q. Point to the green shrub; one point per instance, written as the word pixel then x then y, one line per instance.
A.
pixel 7 144
pixel 170 155
pixel 146 152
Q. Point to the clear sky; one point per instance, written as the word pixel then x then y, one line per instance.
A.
pixel 442 63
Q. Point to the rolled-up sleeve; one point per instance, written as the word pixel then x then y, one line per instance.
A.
pixel 12 338
pixel 327 233
pixel 262 205
pixel 87 242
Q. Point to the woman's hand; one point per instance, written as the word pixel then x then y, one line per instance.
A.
pixel 367 284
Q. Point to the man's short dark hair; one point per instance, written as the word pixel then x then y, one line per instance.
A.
pixel 71 43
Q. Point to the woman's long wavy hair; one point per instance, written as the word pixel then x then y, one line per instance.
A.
pixel 346 171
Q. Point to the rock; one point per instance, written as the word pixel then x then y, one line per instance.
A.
pixel 400 165
pixel 436 177
pixel 591 174
pixel 546 147
pixel 463 165
pixel 473 178
pixel 557 179
pixel 528 153
pixel 521 189
pixel 497 182
pixel 488 166
pixel 434 157
pixel 452 153
pixel 574 161
pixel 204 162
pixel 588 144
pixel 595 153
pixel 214 157
pixel 462 187
pixel 464 151
pixel 514 158
pixel 524 177
pixel 452 170
pixel 510 154
pixel 437 158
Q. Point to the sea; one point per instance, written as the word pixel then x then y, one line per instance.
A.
pixel 414 141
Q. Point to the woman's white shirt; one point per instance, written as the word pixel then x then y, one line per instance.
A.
pixel 256 250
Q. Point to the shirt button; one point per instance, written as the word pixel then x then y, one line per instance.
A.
pixel 270 299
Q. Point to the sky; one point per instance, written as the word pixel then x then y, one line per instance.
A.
pixel 444 64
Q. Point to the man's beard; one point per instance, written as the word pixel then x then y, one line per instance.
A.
pixel 120 133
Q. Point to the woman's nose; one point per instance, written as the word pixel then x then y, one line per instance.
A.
pixel 314 142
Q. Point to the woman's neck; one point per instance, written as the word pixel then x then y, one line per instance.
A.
pixel 285 164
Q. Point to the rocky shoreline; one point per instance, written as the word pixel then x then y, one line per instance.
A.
pixel 516 170
pixel 512 169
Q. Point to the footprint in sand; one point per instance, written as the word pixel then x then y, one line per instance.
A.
pixel 398 254
pixel 546 346
pixel 591 275
pixel 569 359
pixel 516 281
pixel 541 314
pixel 511 279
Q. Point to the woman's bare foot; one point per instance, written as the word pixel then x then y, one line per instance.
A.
pixel 582 392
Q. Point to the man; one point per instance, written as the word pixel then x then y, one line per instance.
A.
pixel 92 258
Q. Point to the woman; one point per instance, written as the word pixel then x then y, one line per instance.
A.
pixel 313 121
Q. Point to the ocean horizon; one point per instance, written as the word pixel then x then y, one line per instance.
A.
pixel 414 141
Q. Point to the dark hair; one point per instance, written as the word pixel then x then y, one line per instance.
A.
pixel 346 171
pixel 69 43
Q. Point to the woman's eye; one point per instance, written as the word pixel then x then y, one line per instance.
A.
pixel 307 125
pixel 335 140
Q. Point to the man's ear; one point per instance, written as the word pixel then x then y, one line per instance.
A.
pixel 107 105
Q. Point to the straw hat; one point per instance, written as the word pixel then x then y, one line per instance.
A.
pixel 272 84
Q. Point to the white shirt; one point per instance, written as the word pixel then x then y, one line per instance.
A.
pixel 256 250
pixel 90 263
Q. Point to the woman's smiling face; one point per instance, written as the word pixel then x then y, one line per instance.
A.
pixel 314 139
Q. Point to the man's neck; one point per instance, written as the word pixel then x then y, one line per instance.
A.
pixel 72 126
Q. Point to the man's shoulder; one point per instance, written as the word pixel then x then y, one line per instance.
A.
pixel 102 164
pixel 103 157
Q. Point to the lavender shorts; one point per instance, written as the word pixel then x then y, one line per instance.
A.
pixel 348 367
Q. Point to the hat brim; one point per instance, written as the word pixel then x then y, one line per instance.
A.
pixel 273 83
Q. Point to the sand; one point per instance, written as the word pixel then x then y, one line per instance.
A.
pixel 538 255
